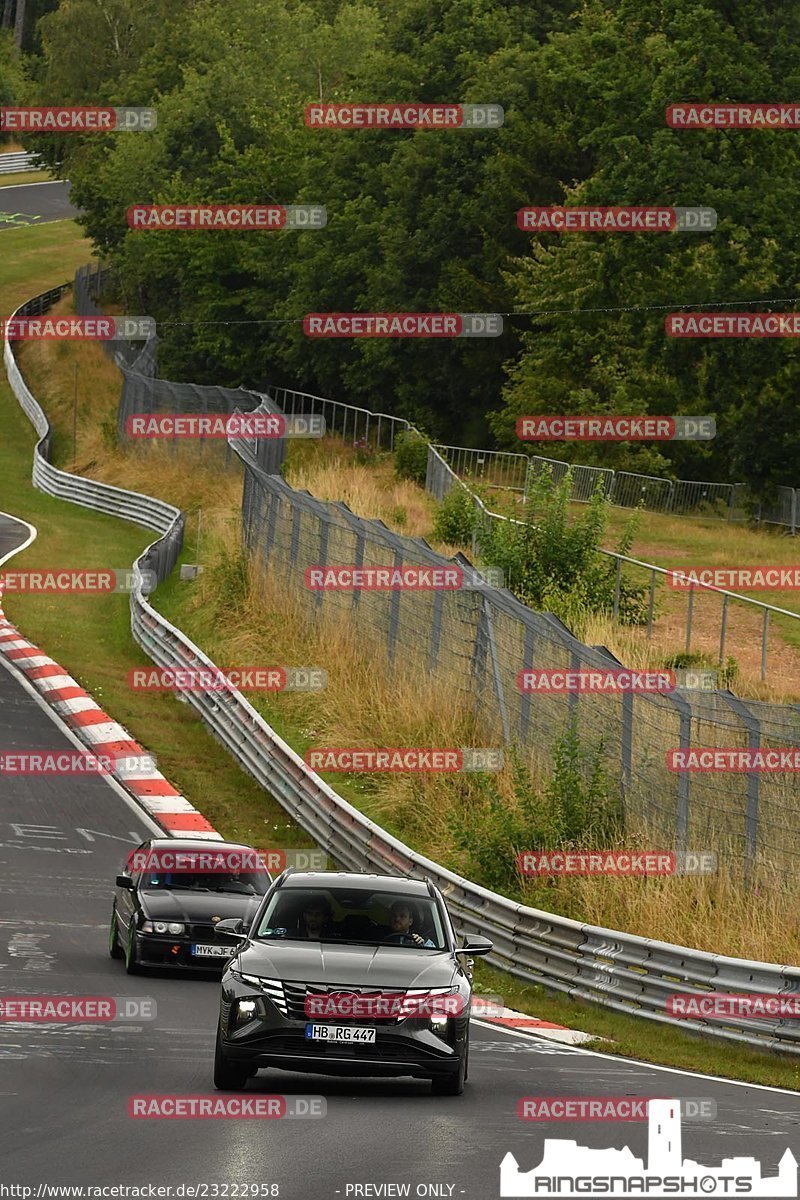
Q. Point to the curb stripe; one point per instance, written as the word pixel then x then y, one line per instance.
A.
pixel 75 706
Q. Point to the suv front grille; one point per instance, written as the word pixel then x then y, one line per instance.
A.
pixel 296 993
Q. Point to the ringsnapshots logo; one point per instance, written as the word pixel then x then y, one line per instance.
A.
pixel 557 219
pixel 569 1169
pixel 732 325
pixel 616 429
pixel 76 1010
pixel 77 762
pixel 253 426
pixel 239 218
pixel 349 577
pixel 78 329
pixel 608 1108
pixel 78 119
pixel 389 115
pixel 77 582
pixel 402 325
pixel 694 115
pixel 617 863
pixel 214 679
pixel 413 759
pixel 258 1107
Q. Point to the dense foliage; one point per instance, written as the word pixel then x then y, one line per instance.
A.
pixel 425 221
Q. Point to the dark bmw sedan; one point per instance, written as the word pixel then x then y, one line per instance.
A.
pixel 348 974
pixel 171 896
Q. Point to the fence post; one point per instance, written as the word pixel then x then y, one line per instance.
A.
pixel 753 726
pixel 485 642
pixel 436 629
pixel 394 611
pixel 684 778
pixel 795 493
pixel 297 516
pixel 526 696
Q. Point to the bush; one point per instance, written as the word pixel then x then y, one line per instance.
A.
pixel 411 457
pixel 555 564
pixel 455 518
pixel 578 808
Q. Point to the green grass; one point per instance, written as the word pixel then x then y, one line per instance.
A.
pixel 26 177
pixel 629 1037
pixel 36 258
pixel 91 638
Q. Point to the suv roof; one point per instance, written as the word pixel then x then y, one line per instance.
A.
pixel 356 879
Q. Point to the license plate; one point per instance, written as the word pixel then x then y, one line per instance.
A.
pixel 340 1033
pixel 212 951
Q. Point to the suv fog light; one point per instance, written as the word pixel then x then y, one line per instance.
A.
pixel 245 1009
pixel 439 1025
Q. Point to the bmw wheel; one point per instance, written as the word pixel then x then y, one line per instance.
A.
pixel 131 965
pixel 114 948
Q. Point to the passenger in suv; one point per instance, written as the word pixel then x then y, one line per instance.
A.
pixel 364 995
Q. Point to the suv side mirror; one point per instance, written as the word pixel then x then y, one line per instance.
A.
pixel 125 881
pixel 475 945
pixel 232 927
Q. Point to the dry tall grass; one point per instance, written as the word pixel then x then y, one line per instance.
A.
pixel 265 623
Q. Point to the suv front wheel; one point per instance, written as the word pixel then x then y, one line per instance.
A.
pixel 228 1076
pixel 452 1084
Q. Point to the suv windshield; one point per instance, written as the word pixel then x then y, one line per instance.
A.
pixel 353 915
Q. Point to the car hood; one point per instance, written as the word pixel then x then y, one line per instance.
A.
pixel 197 906
pixel 357 966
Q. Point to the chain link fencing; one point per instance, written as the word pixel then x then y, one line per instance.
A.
pixel 474 641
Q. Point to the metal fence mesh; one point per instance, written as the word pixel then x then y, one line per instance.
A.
pixel 475 641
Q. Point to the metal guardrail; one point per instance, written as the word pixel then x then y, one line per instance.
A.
pixel 18 161
pixel 617 970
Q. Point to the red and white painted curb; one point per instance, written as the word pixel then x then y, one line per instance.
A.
pixel 523 1023
pixel 102 735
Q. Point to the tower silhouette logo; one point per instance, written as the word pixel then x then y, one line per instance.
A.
pixel 568 1169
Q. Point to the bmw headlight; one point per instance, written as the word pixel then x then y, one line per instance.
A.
pixel 173 927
